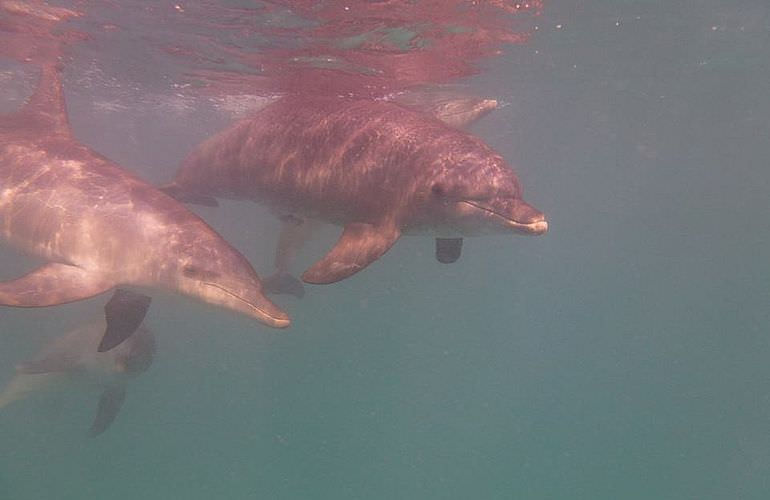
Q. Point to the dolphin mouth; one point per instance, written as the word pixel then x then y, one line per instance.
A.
pixel 271 319
pixel 533 227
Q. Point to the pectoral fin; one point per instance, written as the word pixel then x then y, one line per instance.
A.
pixel 295 231
pixel 124 312
pixel 448 250
pixel 360 245
pixel 50 285
pixel 109 405
pixel 283 283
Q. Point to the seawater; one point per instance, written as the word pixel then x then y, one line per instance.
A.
pixel 622 355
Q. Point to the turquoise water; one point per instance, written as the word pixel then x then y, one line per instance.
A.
pixel 622 355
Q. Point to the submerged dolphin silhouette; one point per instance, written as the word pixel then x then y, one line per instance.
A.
pixel 98 226
pixel 73 360
pixel 378 168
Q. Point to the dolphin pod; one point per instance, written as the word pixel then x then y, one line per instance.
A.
pixel 379 168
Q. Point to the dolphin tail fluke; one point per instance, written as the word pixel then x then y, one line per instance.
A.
pixel 360 245
pixel 50 285
pixel 110 403
pixel 124 312
pixel 283 283
pixel 183 196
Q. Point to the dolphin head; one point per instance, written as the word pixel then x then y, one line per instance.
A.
pixel 476 192
pixel 214 272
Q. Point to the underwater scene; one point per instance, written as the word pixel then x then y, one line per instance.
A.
pixel 384 249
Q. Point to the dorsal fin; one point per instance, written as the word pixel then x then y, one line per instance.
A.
pixel 46 110
pixel 452 107
pixel 29 35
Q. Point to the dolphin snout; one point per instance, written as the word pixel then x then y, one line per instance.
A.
pixel 272 315
pixel 530 219
pixel 255 304
pixel 527 214
pixel 246 299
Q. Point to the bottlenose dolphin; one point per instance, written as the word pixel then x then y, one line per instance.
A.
pixel 376 167
pixel 451 107
pixel 98 226
pixel 72 360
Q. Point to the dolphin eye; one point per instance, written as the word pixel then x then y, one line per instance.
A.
pixel 438 189
pixel 196 272
pixel 191 271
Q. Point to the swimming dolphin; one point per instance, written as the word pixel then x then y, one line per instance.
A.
pixel 451 107
pixel 72 360
pixel 378 168
pixel 98 226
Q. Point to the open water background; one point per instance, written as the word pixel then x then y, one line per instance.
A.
pixel 622 355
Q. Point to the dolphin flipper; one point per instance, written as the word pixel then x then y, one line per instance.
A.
pixel 109 405
pixel 295 232
pixel 283 283
pixel 124 312
pixel 448 250
pixel 50 285
pixel 360 245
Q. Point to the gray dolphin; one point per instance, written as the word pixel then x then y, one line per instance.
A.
pixel 445 103
pixel 378 168
pixel 72 361
pixel 97 226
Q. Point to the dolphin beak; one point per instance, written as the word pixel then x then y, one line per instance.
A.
pixel 249 302
pixel 272 315
pixel 513 213
pixel 527 219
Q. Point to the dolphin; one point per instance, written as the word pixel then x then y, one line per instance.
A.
pixel 97 226
pixel 379 168
pixel 72 360
pixel 445 103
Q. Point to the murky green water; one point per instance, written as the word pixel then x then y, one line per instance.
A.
pixel 623 355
